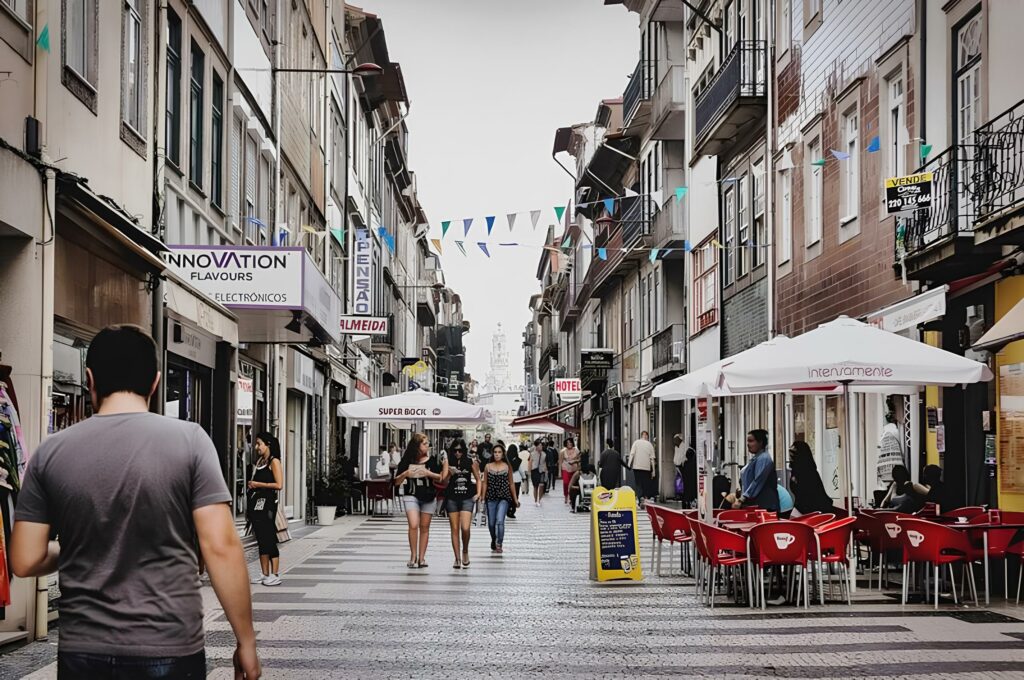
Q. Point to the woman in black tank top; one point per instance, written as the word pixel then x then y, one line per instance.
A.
pixel 499 491
pixel 463 478
pixel 267 480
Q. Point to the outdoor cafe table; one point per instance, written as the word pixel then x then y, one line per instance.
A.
pixel 984 528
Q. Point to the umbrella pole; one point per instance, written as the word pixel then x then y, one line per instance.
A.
pixel 848 428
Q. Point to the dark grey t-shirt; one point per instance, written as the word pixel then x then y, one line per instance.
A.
pixel 120 491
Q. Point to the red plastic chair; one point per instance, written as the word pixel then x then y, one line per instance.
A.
pixel 781 543
pixel 833 540
pixel 925 541
pixel 816 519
pixel 656 533
pixel 929 510
pixel 675 529
pixel 722 549
pixel 970 512
pixel 736 515
pixel 1016 549
pixel 884 532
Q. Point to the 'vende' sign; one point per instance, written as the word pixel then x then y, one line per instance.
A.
pixel 906 194
pixel 364 325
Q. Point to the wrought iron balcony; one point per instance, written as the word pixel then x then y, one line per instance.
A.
pixel 426 307
pixel 634 222
pixel 668 112
pixel 669 350
pixel 668 228
pixel 998 161
pixel 636 99
pixel 734 100
pixel 385 343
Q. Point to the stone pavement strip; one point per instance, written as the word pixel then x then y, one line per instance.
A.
pixel 350 608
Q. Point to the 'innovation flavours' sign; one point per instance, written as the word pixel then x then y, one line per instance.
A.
pixel 255 278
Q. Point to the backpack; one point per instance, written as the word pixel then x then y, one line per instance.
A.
pixel 551 457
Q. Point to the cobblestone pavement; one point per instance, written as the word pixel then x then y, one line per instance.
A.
pixel 350 608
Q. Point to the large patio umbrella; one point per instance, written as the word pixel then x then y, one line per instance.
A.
pixel 707 380
pixel 414 407
pixel 852 354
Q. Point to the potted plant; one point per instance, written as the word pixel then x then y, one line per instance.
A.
pixel 333 492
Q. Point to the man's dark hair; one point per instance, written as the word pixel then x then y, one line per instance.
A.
pixel 122 358
pixel 610 442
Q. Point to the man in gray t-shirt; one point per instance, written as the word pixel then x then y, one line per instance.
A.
pixel 129 495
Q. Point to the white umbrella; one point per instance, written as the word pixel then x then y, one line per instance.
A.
pixel 415 406
pixel 850 353
pixel 707 381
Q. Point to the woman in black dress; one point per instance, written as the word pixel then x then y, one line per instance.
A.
pixel 805 483
pixel 463 477
pixel 267 480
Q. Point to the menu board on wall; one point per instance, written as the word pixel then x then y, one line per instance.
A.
pixel 1011 428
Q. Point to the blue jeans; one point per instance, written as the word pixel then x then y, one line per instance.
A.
pixel 82 666
pixel 496 511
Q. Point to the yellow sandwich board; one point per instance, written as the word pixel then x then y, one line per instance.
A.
pixel 615 544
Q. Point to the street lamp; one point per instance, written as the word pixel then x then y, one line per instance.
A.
pixel 366 70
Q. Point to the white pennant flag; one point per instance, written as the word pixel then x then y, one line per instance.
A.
pixel 511 220
pixel 630 193
pixel 656 198
pixel 535 217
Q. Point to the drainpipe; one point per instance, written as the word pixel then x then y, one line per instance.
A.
pixel 769 191
pixel 159 196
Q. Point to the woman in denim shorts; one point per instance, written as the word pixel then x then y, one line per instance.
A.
pixel 463 476
pixel 417 472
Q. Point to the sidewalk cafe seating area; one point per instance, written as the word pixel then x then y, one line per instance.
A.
pixel 748 555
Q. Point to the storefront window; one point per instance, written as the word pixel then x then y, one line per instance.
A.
pixel 250 396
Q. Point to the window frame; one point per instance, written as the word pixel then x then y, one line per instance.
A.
pixel 172 108
pixel 786 216
pixel 743 209
pixel 19 31
pixel 729 197
pixel 897 132
pixel 217 93
pixel 197 117
pixel 705 279
pixel 759 224
pixel 133 132
pixel 814 195
pixel 849 190
pixel 85 86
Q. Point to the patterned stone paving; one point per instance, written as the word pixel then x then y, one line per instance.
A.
pixel 350 608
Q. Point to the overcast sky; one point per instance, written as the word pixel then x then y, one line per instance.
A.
pixel 489 82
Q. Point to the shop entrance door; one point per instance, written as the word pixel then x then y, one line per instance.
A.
pixel 293 481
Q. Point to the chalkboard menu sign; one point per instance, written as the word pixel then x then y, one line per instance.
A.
pixel 615 546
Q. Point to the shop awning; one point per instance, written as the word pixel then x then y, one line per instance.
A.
pixel 543 426
pixel 1006 330
pixel 548 414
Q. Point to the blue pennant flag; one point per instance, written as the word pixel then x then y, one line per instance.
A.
pixel 490 224
pixel 609 205
pixel 840 155
pixel 602 253
pixel 483 247
pixel 466 224
pixel 686 246
pixel 654 254
pixel 388 239
pixel 875 145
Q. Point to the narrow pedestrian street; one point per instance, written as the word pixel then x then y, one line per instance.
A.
pixel 350 608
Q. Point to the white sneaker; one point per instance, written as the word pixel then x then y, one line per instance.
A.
pixel 272 580
pixel 256 579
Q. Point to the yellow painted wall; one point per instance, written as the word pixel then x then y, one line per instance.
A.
pixel 1008 293
pixel 932 399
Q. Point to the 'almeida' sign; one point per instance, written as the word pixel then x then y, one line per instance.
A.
pixel 364 325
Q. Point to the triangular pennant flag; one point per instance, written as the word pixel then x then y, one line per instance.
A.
pixel 389 241
pixel 490 223
pixel 461 247
pixel 339 236
pixel 559 211
pixel 686 247
pixel 658 198
pixel 567 243
pixel 925 150
pixel 466 224
pixel 437 244
pixel 728 180
pixel 535 217
pixel 654 254
pixel 786 163
pixel 875 145
pixel 43 41
pixel 483 247
pixel 715 243
pixel 630 193
pixel 511 220
pixel 820 163
pixel 840 155
pixel 609 205
pixel 361 234
pixel 680 192
pixel 602 253
pixel 444 227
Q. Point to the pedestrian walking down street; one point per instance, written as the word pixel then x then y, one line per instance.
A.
pixel 610 464
pixel 128 493
pixel 499 492
pixel 261 502
pixel 569 464
pixel 538 471
pixel 461 496
pixel 643 462
pixel 485 450
pixel 551 462
pixel 417 473
pixel 516 461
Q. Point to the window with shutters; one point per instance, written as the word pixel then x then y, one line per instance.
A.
pixel 758 248
pixel 217 143
pixel 173 111
pixel 264 200
pixel 236 173
pixel 196 117
pixel 252 226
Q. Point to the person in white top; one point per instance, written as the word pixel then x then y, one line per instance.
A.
pixel 643 462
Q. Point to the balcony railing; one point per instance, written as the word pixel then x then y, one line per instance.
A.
pixel 998 161
pixel 637 90
pixel 741 75
pixel 670 347
pixel 667 113
pixel 386 342
pixel 952 210
pixel 634 223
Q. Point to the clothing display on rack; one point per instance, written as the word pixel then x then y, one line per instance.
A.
pixel 12 467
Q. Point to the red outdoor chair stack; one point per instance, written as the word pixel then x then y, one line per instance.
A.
pixel 833 540
pixel 937 545
pixel 882 534
pixel 782 543
pixel 718 548
pixel 815 519
pixel 675 528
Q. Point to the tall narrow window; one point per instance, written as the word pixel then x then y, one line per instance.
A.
pixel 785 25
pixel 133 107
pixel 760 235
pixel 814 177
pixel 743 226
pixel 729 227
pixel 896 129
pixel 217 142
pixel 195 151
pixel 235 190
pixel 705 286
pixel 19 8
pixel 786 216
pixel 250 190
pixel 80 39
pixel 849 194
pixel 173 112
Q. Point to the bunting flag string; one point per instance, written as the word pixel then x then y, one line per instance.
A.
pixel 511 220
pixel 925 150
pixel 654 254
pixel 535 217
pixel 559 211
pixel 602 253
pixel 567 243
pixel 444 227
pixel 339 236
pixel 875 145
pixel 437 245
pixel 43 41
pixel 609 206
pixel 461 247
pixel 680 192
pixel 490 223
pixel 388 239
pixel 483 247
pixel 466 224
pixel 840 155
